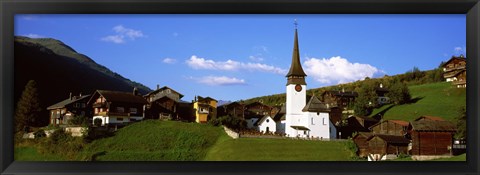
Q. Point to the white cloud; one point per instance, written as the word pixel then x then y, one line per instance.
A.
pixel 117 39
pixel 169 60
pixel 256 58
pixel 337 70
pixel 219 80
pixel 122 33
pixel 230 65
pixel 460 50
pixel 32 35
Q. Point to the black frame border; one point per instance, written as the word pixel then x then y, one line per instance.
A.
pixel 8 8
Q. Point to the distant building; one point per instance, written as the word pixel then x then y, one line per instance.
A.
pixel 62 112
pixel 117 108
pixel 233 109
pixel 385 147
pixel 382 95
pixel 204 108
pixel 342 99
pixel 455 71
pixel 390 127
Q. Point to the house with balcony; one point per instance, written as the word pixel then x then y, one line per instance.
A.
pixel 205 108
pixel 165 103
pixel 117 108
pixel 455 71
pixel 74 106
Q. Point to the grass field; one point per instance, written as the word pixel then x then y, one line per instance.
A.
pixel 264 149
pixel 155 140
pixel 30 153
pixel 436 99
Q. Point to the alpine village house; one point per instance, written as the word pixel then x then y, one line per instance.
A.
pixel 425 138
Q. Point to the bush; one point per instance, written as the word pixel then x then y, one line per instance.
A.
pixel 39 134
pixel 97 122
pixel 234 123
pixel 79 120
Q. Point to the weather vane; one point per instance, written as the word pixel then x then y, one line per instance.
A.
pixel 295 23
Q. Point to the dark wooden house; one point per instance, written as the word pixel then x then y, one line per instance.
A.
pixel 431 137
pixel 234 109
pixel 391 127
pixel 381 144
pixel 360 139
pixel 74 106
pixel 117 108
pixel 455 71
pixel 342 99
pixel 164 103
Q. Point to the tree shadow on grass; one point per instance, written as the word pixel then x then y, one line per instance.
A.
pixel 378 116
pixel 414 100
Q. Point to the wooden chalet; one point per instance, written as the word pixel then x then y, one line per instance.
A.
pixel 432 137
pixel 455 71
pixel 117 108
pixel 380 145
pixel 164 103
pixel 205 108
pixel 234 109
pixel 360 139
pixel 390 127
pixel 357 124
pixel 342 99
pixel 62 112
pixel 381 93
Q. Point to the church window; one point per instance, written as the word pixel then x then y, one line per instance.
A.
pixel 268 120
pixel 313 122
pixel 324 121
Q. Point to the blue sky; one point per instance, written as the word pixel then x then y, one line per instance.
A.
pixel 233 57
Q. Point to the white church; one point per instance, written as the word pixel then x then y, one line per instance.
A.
pixel 302 119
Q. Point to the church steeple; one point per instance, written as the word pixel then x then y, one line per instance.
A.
pixel 296 75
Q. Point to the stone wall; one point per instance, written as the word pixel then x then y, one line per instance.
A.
pixel 429 157
pixel 231 133
pixel 75 131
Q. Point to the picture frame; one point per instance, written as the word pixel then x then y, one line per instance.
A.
pixel 9 8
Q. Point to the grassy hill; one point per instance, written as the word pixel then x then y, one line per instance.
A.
pixel 435 99
pixel 155 140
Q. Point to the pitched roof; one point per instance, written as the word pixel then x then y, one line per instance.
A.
pixel 67 101
pixel 230 104
pixel 400 122
pixel 163 88
pixel 315 105
pixel 364 134
pixel 459 58
pixel 262 119
pixel 201 99
pixel 430 118
pixel 296 68
pixel 117 96
pixel 433 125
pixel 391 138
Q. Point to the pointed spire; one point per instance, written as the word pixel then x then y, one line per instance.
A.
pixel 296 68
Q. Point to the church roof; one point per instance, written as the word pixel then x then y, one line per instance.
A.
pixel 296 68
pixel 315 105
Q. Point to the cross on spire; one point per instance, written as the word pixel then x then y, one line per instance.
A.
pixel 295 23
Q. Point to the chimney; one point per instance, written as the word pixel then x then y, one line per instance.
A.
pixel 158 86
pixel 135 91
pixel 70 96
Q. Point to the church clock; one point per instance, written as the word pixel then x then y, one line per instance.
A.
pixel 298 88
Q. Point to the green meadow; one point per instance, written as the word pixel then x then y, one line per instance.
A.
pixel 436 99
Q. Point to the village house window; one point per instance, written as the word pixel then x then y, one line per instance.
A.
pixel 169 91
pixel 96 110
pixel 268 120
pixel 120 109
pixel 133 110
pixel 63 111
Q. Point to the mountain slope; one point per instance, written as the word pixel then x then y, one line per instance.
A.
pixel 61 72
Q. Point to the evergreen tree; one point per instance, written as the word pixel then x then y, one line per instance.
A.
pixel 28 107
pixel 399 93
